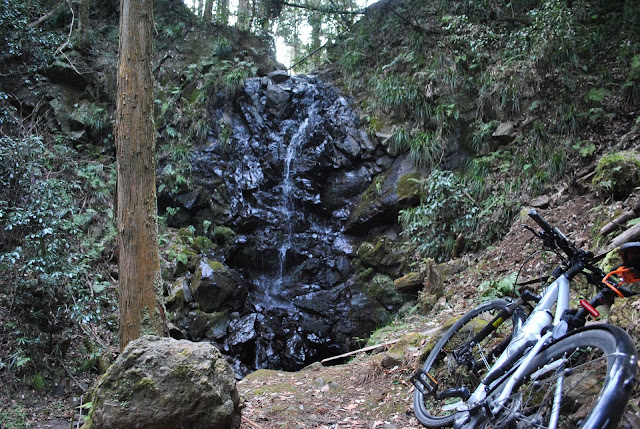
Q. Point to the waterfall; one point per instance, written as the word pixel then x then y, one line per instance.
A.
pixel 287 207
pixel 285 183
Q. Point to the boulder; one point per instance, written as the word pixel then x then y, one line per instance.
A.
pixel 162 383
pixel 618 174
pixel 408 283
pixel 217 288
pixel 386 195
pixel 277 99
pixel 279 76
pixel 505 133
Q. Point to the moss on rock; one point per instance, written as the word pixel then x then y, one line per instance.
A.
pixel 617 174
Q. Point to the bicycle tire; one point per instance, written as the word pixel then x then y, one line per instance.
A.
pixel 598 364
pixel 449 372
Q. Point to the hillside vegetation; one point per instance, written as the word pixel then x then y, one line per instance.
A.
pixel 436 79
pixel 557 82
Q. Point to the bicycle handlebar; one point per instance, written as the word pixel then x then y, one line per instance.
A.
pixel 553 234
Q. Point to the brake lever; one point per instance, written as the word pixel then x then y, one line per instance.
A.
pixel 532 231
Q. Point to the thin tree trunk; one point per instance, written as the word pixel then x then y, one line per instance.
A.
pixel 83 15
pixel 208 10
pixel 223 12
pixel 139 264
pixel 244 14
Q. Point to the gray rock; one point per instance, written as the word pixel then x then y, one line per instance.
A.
pixel 214 286
pixel 278 76
pixel 162 383
pixel 277 99
pixel 505 133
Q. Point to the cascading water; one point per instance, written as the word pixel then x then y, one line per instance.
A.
pixel 287 182
pixel 287 207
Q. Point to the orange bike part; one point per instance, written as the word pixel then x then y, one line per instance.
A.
pixel 625 274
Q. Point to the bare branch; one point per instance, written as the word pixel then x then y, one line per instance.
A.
pixel 327 10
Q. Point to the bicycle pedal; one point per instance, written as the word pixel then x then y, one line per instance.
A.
pixel 425 383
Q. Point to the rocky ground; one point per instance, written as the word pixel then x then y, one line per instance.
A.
pixel 373 389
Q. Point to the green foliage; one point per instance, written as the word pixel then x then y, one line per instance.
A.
pixel 17 39
pixel 50 237
pixel 176 174
pixel 402 96
pixel 492 289
pixel 617 174
pixel 425 149
pixel 15 417
pixel 399 140
pixel 481 133
pixel 351 60
pixel 631 87
pixel 445 211
pixel 585 148
pixel 222 48
pixel 597 95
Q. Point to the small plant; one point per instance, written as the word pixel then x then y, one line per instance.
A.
pixel 597 96
pixel 425 149
pixel 631 87
pixel 222 48
pixel 492 289
pixel 445 211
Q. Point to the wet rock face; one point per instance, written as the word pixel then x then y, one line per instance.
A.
pixel 288 180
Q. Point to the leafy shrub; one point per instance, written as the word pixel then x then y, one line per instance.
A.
pixel 50 234
pixel 17 39
pixel 445 211
pixel 492 289
pixel 631 87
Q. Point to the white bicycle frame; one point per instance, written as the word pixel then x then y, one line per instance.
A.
pixel 557 293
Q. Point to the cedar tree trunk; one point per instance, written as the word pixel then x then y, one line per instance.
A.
pixel 139 264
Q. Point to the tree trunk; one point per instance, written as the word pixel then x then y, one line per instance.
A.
pixel 139 264
pixel 315 21
pixel 223 12
pixel 208 10
pixel 244 14
pixel 83 15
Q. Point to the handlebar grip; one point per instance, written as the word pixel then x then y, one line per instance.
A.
pixel 533 214
pixel 559 239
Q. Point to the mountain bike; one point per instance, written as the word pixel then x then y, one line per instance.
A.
pixel 532 362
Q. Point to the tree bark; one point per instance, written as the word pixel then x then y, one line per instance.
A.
pixel 139 264
pixel 244 15
pixel 208 10
pixel 83 15
pixel 223 12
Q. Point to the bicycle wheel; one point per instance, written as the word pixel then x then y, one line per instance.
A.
pixel 456 366
pixel 593 370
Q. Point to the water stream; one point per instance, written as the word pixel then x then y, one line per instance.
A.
pixel 286 183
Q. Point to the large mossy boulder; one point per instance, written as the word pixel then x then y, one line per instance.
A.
pixel 618 174
pixel 162 383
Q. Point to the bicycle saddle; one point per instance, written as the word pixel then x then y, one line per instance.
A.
pixel 630 254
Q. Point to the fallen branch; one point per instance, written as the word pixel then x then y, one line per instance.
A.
pixel 618 222
pixel 366 349
pixel 82 388
pixel 44 17
pixel 252 424
pixel 632 234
